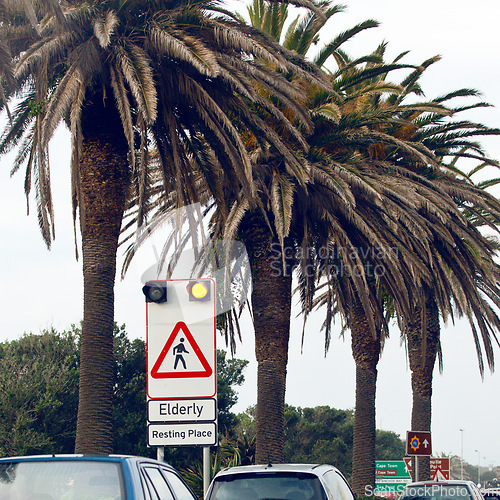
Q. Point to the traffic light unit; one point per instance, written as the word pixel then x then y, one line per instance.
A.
pixel 198 291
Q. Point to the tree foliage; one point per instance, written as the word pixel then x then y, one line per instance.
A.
pixel 325 435
pixel 39 395
pixel 229 375
pixel 320 435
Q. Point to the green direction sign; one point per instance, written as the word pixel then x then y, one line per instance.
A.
pixel 390 476
pixel 390 469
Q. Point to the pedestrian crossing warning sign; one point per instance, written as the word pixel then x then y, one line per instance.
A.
pixel 181 357
pixel 181 343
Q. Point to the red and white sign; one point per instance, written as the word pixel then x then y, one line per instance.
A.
pixel 181 350
pixel 440 468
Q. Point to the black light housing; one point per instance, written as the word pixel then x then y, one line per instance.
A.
pixel 155 291
pixel 199 291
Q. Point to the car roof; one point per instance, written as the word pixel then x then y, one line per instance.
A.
pixel 446 481
pixel 81 458
pixel 245 469
pixel 29 458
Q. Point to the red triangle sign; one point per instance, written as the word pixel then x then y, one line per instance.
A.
pixel 178 350
pixel 439 475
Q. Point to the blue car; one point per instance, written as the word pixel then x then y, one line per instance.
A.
pixel 89 477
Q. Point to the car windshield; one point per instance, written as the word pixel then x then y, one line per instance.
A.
pixel 60 480
pixel 268 486
pixel 437 492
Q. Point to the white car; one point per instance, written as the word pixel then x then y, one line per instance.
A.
pixel 442 490
pixel 280 482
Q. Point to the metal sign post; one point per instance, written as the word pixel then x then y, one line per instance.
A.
pixel 206 469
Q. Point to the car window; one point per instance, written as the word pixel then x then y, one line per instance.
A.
pixel 338 486
pixel 491 495
pixel 156 484
pixel 276 485
pixel 61 480
pixel 181 491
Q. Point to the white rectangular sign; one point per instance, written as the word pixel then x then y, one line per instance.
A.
pixel 181 410
pixel 192 434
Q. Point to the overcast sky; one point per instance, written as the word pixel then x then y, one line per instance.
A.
pixel 467 37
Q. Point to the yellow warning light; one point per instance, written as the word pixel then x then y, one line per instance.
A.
pixel 199 291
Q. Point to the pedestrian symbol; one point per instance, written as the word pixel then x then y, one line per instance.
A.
pixel 187 363
pixel 179 350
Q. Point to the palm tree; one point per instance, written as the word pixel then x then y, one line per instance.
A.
pixel 476 275
pixel 389 142
pixel 469 278
pixel 422 332
pixel 339 194
pixel 125 75
pixel 413 214
pixel 296 221
pixel 366 322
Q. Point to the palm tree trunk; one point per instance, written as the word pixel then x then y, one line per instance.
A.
pixel 423 342
pixel 366 353
pixel 104 179
pixel 271 307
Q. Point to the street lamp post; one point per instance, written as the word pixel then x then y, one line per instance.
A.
pixel 478 467
pixel 462 453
